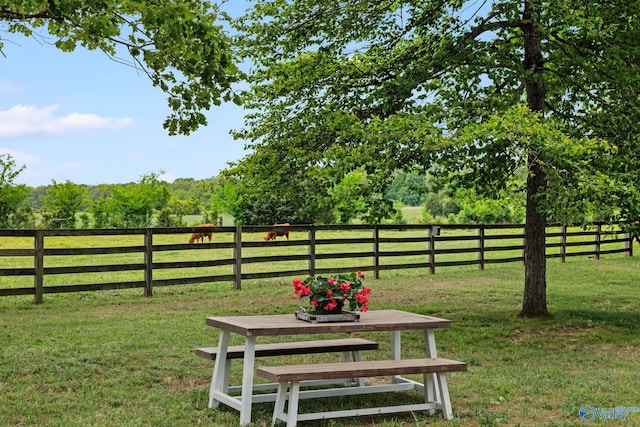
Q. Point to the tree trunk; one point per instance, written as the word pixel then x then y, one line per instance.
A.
pixel 534 303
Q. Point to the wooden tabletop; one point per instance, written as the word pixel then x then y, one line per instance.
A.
pixel 287 324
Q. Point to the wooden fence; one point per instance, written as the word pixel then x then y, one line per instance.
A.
pixel 234 250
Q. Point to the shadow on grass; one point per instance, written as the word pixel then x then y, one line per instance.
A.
pixel 489 318
pixel 621 319
pixel 262 412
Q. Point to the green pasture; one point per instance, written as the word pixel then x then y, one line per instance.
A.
pixel 117 358
pixel 412 214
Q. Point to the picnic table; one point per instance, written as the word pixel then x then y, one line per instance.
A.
pixel 251 327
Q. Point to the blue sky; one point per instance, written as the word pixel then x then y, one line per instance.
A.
pixel 82 117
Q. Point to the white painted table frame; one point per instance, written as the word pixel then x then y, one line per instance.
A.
pixel 251 327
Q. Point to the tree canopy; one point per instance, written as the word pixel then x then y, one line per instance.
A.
pixel 472 91
pixel 131 205
pixel 61 203
pixel 180 45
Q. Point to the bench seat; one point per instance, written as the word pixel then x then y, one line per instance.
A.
pixel 289 378
pixel 293 348
pixel 349 347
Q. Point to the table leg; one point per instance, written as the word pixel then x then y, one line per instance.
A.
pixel 446 401
pixel 396 352
pixel 395 345
pixel 247 380
pixel 430 341
pixel 219 368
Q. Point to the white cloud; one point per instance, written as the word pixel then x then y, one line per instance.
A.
pixel 45 174
pixel 38 171
pixel 23 159
pixel 9 88
pixel 22 120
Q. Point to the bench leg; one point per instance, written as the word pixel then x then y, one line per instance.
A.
pixel 291 416
pixel 281 398
pixel 292 410
pixel 429 390
pixel 431 380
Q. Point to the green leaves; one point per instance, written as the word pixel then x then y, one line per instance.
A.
pixel 12 196
pixel 180 45
pixel 577 170
pixel 347 288
pixel 381 86
pixel 131 205
pixel 61 203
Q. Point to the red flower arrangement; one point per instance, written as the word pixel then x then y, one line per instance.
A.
pixel 333 291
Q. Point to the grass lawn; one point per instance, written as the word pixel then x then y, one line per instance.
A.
pixel 115 358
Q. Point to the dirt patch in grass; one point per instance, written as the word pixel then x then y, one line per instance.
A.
pixel 188 384
pixel 535 411
pixel 555 334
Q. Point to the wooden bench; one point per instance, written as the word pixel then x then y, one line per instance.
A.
pixel 289 377
pixel 350 348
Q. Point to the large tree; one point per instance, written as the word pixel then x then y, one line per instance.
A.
pixel 440 85
pixel 263 190
pixel 61 203
pixel 180 45
pixel 131 205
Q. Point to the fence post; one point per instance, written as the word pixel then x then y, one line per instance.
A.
pixel 481 247
pixel 237 256
pixel 563 244
pixel 598 231
pixel 38 264
pixel 432 248
pixel 312 250
pixel 148 262
pixel 628 244
pixel 376 251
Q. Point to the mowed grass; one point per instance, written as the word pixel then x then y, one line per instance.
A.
pixel 116 358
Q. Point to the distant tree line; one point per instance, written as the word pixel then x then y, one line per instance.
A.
pixel 147 202
pixel 154 202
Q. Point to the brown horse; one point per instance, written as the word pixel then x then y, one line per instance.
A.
pixel 200 236
pixel 276 232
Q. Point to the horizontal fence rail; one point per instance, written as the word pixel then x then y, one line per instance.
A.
pixel 56 260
